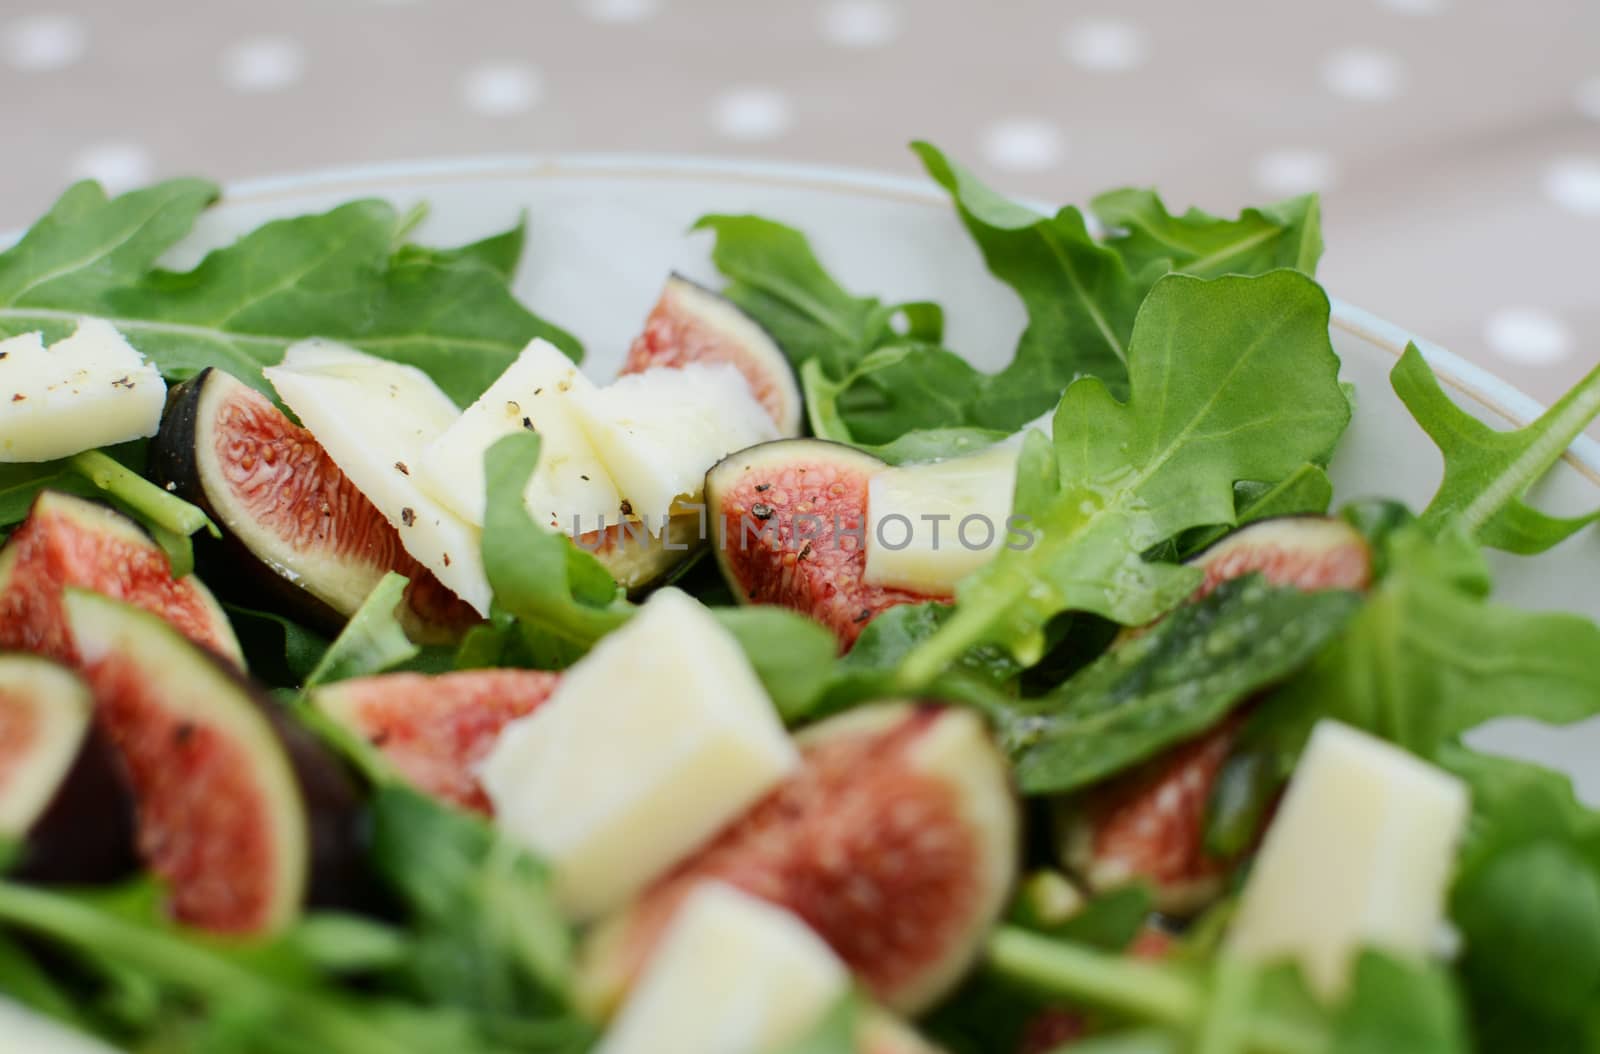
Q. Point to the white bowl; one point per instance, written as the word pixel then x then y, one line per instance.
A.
pixel 604 231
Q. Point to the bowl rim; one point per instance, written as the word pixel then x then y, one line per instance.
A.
pixel 1477 383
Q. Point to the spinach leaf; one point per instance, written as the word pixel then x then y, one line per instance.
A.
pixel 333 275
pixel 1232 379
pixel 372 641
pixel 1487 473
pixel 1288 234
pixel 1168 684
pixel 1080 296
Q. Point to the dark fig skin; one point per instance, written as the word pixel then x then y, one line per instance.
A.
pixel 336 812
pixel 85 835
pixel 226 564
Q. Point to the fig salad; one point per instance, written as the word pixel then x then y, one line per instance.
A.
pixel 375 681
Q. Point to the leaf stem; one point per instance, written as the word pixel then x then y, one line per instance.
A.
pixel 1561 424
pixel 1146 991
pixel 157 506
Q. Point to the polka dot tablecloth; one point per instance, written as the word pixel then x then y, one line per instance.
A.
pixel 1457 142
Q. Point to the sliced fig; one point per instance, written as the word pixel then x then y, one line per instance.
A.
pixel 789 521
pixel 639 561
pixel 1149 824
pixel 1309 552
pixel 897 842
pixel 62 794
pixel 690 323
pixel 69 542
pixel 436 729
pixel 242 813
pixel 295 524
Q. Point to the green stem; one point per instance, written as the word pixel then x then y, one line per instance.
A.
pixel 1146 991
pixel 1561 424
pixel 1225 1026
pixel 965 630
pixel 186 966
pixel 155 505
pixel 1143 990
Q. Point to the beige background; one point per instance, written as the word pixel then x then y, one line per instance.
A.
pixel 1457 141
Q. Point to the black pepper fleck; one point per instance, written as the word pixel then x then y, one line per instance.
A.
pixel 527 422
pixel 583 477
pixel 447 559
pixel 401 465
pixel 408 516
pixel 19 398
pixel 627 507
pixel 866 613
pixel 805 551
pixel 123 382
pixel 763 487
pixel 761 511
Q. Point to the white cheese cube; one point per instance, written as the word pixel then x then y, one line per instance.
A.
pixel 732 975
pixel 931 525
pixel 1360 853
pixel 535 393
pixel 375 418
pixel 653 741
pixel 89 390
pixel 659 431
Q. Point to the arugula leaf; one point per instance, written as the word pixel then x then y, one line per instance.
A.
pixel 500 253
pixel 895 391
pixel 935 444
pixel 372 641
pixel 792 655
pixel 1288 234
pixel 1170 683
pixel 1080 296
pixel 489 935
pixel 332 275
pixel 563 597
pixel 279 651
pixel 1426 660
pixel 1487 473
pixel 1232 379
pixel 776 279
pixel 1397 1006
pixel 266 983
pixel 1527 903
pixel 1305 492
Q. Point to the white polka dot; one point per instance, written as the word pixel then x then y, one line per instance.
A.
pixel 1574 184
pixel 1363 74
pixel 1416 7
pixel 751 114
pixel 860 23
pixel 1023 144
pixel 1528 336
pixel 1588 98
pixel 118 166
pixel 501 89
pixel 263 64
pixel 1296 171
pixel 619 10
pixel 1105 45
pixel 41 43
